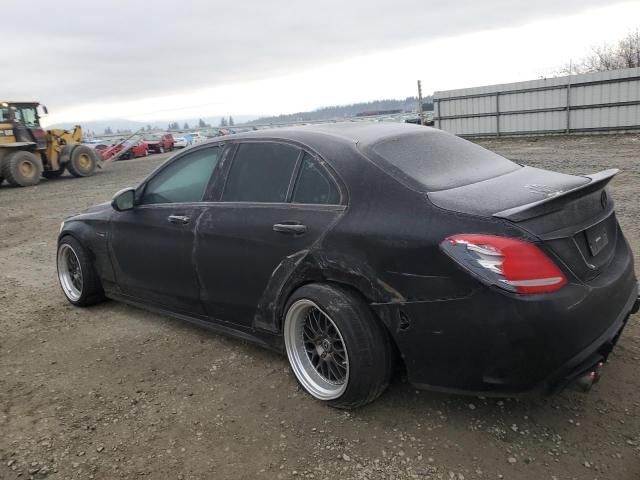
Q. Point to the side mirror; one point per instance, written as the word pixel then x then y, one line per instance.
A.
pixel 124 200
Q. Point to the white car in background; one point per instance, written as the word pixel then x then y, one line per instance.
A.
pixel 197 137
pixel 180 142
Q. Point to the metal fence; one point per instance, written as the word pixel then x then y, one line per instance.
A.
pixel 593 102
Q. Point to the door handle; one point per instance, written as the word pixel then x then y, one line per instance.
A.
pixel 181 219
pixel 291 228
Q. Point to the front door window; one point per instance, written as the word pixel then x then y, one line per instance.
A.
pixel 184 180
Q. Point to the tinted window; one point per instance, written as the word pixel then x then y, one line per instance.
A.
pixel 438 160
pixel 185 180
pixel 261 172
pixel 314 184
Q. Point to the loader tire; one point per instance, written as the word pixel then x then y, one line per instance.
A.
pixel 83 162
pixel 22 169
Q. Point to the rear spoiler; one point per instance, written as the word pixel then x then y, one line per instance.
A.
pixel 557 200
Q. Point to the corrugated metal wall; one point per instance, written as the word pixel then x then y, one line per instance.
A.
pixel 593 102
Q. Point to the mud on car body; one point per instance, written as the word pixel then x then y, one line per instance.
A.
pixel 352 246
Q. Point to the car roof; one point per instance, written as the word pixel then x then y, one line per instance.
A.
pixel 361 133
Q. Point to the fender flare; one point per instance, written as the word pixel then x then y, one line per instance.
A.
pixel 305 267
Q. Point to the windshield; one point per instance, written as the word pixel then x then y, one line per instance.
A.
pixel 27 115
pixel 152 137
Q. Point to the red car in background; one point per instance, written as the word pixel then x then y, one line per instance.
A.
pixel 138 149
pixel 159 142
pixel 107 151
pixel 135 150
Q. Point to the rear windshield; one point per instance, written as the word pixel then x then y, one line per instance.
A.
pixel 439 161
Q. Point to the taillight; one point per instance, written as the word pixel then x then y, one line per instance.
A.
pixel 511 264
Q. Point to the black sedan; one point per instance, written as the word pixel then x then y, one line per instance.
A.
pixel 354 246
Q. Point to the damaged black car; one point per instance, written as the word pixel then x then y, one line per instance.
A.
pixel 352 247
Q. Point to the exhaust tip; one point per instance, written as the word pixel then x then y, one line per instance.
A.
pixel 588 379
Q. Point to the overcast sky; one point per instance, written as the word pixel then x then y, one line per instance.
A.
pixel 158 59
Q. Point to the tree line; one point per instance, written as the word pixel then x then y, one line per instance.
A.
pixel 625 53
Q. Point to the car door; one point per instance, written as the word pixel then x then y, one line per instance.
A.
pixel 152 245
pixel 265 213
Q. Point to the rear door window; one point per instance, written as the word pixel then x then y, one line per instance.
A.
pixel 315 185
pixel 261 172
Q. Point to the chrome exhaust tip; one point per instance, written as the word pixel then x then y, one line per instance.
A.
pixel 588 379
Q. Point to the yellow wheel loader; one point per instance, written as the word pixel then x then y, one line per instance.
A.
pixel 28 152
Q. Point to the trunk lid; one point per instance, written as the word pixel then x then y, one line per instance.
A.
pixel 572 215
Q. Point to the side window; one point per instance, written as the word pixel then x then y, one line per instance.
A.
pixel 185 180
pixel 261 172
pixel 314 185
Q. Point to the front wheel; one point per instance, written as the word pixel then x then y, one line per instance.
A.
pixel 83 161
pixel 77 275
pixel 339 352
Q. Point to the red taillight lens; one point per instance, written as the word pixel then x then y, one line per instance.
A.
pixel 514 265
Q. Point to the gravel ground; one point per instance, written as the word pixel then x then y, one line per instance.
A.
pixel 117 392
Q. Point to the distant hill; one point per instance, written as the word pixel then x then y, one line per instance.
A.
pixel 342 111
pixel 123 125
pixel 98 127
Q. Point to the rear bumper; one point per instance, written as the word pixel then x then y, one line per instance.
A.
pixel 594 354
pixel 491 343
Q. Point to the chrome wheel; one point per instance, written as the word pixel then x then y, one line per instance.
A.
pixel 316 350
pixel 69 272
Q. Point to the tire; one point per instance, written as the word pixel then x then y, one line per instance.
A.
pixel 161 149
pixel 1 180
pixel 83 162
pixel 339 352
pixel 82 292
pixel 51 174
pixel 22 169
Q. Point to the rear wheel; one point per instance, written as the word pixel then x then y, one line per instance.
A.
pixel 83 162
pixel 22 169
pixel 77 276
pixel 337 349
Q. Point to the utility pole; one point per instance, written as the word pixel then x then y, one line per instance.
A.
pixel 568 129
pixel 420 112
